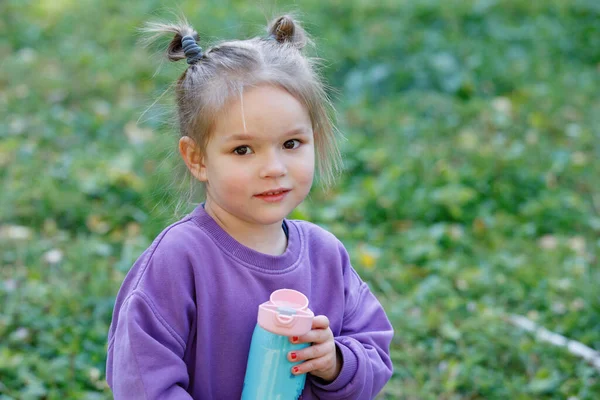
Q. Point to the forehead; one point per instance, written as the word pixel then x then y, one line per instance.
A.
pixel 262 110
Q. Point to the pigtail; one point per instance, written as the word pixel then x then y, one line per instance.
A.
pixel 182 29
pixel 286 30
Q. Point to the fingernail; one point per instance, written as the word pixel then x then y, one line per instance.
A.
pixel 294 338
pixel 293 355
pixel 295 370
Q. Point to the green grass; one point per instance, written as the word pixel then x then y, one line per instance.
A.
pixel 470 189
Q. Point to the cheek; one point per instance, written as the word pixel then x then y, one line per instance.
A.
pixel 227 178
pixel 306 169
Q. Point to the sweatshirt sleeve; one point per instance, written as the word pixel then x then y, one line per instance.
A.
pixel 145 359
pixel 154 313
pixel 364 343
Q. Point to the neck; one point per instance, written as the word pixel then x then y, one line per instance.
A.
pixel 267 239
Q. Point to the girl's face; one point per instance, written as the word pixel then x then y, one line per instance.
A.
pixel 259 162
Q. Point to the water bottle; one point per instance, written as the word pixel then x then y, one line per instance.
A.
pixel 269 373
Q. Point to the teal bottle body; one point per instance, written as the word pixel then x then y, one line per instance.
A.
pixel 269 373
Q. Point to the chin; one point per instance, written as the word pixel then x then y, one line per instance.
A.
pixel 271 215
pixel 270 218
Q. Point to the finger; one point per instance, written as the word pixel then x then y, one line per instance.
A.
pixel 317 336
pixel 314 336
pixel 314 364
pixel 314 351
pixel 320 322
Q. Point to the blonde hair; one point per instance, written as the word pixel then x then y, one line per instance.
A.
pixel 227 67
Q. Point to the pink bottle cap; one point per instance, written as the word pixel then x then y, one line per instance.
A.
pixel 286 313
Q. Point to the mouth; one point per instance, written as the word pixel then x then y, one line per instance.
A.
pixel 273 192
pixel 273 195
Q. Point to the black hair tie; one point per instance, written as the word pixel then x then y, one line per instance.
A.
pixel 192 51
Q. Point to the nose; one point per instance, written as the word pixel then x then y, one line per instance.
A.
pixel 273 165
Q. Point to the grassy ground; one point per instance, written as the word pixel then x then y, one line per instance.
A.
pixel 470 190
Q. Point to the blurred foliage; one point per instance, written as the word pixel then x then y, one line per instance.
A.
pixel 470 188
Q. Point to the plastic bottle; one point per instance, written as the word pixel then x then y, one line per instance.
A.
pixel 269 373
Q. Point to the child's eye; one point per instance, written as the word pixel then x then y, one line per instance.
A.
pixel 291 144
pixel 242 150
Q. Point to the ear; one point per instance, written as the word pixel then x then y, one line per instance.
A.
pixel 193 158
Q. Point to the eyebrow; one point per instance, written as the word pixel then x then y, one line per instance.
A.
pixel 246 136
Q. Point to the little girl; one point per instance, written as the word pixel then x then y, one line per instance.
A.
pixel 254 122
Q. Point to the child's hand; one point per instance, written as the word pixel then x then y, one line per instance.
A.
pixel 322 359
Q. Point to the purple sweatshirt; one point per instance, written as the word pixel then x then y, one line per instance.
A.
pixel 185 314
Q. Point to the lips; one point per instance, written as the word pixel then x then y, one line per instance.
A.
pixel 273 192
pixel 273 196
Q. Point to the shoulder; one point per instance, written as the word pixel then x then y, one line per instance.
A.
pixel 321 241
pixel 164 273
pixel 180 237
pixel 315 233
pixel 173 252
pixel 161 284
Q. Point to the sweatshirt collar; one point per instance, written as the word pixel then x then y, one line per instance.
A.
pixel 247 256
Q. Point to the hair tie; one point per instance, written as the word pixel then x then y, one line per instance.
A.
pixel 192 51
